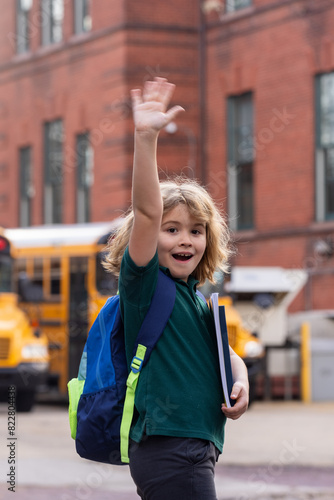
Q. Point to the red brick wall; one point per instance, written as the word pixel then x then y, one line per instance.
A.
pixel 274 50
pixel 163 41
pixel 77 86
pixel 8 31
pixel 172 13
pixel 86 81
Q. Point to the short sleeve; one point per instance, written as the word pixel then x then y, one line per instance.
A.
pixel 136 288
pixel 137 284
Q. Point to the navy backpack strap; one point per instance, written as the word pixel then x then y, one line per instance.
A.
pixel 157 316
pixel 151 329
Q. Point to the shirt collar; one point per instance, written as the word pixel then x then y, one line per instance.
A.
pixel 192 281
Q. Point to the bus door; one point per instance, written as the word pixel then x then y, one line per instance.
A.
pixel 78 312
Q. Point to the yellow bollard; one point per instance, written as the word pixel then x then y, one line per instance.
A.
pixel 305 355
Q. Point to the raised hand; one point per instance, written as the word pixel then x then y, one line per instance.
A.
pixel 150 106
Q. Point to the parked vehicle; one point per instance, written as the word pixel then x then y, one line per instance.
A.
pixel 24 357
pixel 62 286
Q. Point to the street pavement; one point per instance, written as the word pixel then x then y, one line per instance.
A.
pixel 277 450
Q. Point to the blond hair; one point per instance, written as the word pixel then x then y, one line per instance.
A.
pixel 202 207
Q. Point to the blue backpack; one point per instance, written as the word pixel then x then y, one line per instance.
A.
pixel 101 398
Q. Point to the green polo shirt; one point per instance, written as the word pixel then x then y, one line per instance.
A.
pixel 179 391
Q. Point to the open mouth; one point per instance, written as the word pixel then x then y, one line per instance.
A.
pixel 182 257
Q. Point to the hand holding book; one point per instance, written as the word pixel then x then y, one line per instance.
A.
pixel 223 348
pixel 232 369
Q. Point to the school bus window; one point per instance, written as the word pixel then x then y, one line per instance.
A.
pixel 46 277
pixel 20 266
pixel 20 272
pixel 6 273
pixel 106 283
pixel 55 277
pixel 30 280
pixel 37 278
pixel 30 267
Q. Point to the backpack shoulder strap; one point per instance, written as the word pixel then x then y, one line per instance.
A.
pixel 157 316
pixel 154 323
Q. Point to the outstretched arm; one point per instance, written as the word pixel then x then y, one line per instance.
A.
pixel 240 389
pixel 150 116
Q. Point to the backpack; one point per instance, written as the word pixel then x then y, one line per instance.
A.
pixel 101 398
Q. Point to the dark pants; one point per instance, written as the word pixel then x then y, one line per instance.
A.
pixel 169 468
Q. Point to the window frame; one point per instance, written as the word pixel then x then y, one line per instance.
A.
pixel 323 182
pixel 26 186
pixel 233 6
pixel 53 173
pixel 49 22
pixel 82 10
pixel 242 166
pixel 85 176
pixel 22 29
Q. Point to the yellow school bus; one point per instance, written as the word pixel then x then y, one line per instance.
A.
pixel 62 286
pixel 24 354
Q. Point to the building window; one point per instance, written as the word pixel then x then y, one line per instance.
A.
pixel 325 147
pixel 22 25
pixel 26 187
pixel 52 21
pixel 85 176
pixel 233 5
pixel 82 17
pixel 53 172
pixel 240 161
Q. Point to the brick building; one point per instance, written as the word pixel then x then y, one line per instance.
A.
pixel 257 81
pixel 270 135
pixel 66 70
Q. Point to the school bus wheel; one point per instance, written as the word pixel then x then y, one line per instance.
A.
pixel 25 400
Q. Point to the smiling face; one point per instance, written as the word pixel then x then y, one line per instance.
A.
pixel 181 243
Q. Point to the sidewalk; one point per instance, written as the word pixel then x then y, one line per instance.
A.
pixel 279 450
pixel 291 433
pixel 275 451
